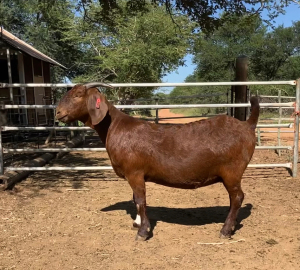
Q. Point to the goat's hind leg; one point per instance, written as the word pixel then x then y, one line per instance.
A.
pixel 236 197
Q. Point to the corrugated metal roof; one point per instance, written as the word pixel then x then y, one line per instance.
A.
pixel 24 47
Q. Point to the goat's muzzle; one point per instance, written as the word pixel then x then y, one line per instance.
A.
pixel 61 116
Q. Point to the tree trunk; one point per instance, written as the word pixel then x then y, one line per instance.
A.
pixel 10 178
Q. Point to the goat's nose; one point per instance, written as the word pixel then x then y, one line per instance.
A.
pixel 57 113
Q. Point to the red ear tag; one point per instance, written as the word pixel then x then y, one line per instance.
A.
pixel 98 103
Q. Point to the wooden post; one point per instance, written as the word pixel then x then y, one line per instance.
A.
pixel 11 93
pixel 23 112
pixel 241 90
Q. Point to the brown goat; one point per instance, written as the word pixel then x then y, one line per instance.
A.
pixel 185 156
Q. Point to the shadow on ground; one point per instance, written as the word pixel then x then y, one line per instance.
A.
pixel 183 216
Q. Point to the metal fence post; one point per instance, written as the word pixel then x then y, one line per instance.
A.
pixel 227 98
pixel 279 122
pixel 258 137
pixel 296 126
pixel 1 154
pixel 156 111
pixel 258 129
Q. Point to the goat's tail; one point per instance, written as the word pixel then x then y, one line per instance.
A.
pixel 253 119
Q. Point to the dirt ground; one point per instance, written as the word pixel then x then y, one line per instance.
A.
pixel 82 220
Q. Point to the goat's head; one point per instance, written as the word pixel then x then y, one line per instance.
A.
pixel 84 103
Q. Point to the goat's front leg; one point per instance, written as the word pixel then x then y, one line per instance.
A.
pixel 137 222
pixel 139 196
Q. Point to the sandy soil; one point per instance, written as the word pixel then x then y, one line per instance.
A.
pixel 82 220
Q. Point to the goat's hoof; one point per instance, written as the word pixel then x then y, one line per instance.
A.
pixel 140 238
pixel 225 236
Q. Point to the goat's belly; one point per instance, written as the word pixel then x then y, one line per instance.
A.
pixel 184 183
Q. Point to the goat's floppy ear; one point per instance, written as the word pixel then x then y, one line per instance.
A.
pixel 97 108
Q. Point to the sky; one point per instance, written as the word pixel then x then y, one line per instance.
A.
pixel 178 76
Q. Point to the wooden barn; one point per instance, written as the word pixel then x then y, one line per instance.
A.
pixel 22 63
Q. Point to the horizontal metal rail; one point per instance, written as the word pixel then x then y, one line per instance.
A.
pixel 290 125
pixel 176 97
pixel 45 150
pixel 273 131
pixel 166 106
pixel 274 107
pixel 56 150
pixel 276 119
pixel 284 165
pixel 101 168
pixel 288 147
pixel 8 128
pixel 195 116
pixel 276 96
pixel 14 85
pixel 89 168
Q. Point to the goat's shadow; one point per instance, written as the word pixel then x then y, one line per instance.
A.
pixel 198 216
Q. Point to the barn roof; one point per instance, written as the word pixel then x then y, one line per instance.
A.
pixel 25 47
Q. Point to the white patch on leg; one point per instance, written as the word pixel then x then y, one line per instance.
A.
pixel 138 219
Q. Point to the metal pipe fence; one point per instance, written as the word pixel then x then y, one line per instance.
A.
pixel 6 128
pixel 58 150
pixel 56 85
pixel 99 168
pixel 296 137
pixel 279 97
pixel 290 105
pixel 177 106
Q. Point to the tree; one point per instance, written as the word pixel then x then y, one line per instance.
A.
pixel 13 15
pixel 274 51
pixel 290 70
pixel 47 25
pixel 141 47
pixel 267 51
pixel 272 55
pixel 215 55
pixel 205 13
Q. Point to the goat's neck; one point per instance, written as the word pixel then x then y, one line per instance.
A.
pixel 102 128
